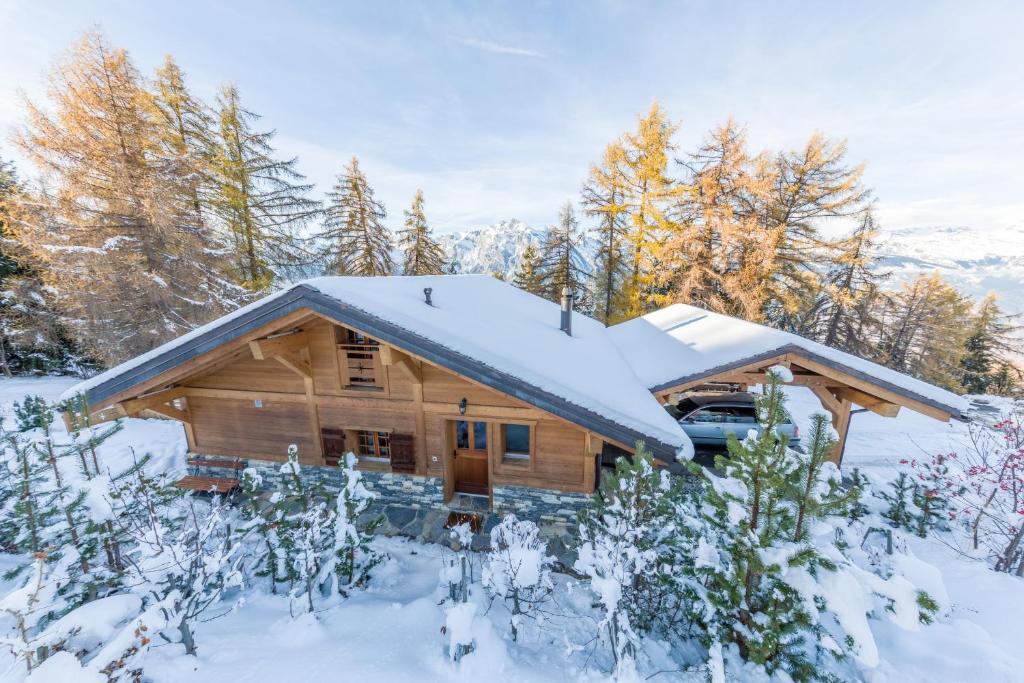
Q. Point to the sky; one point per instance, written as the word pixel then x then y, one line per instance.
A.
pixel 497 109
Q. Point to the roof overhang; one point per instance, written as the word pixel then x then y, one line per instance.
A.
pixel 826 367
pixel 148 375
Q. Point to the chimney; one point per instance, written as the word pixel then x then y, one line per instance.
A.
pixel 566 325
pixel 426 295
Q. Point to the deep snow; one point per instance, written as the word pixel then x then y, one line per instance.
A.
pixel 391 631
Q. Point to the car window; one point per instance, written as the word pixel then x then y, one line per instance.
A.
pixel 707 415
pixel 741 415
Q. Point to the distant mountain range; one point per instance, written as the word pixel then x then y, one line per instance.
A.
pixel 975 260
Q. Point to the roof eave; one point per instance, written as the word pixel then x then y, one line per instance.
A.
pixel 953 411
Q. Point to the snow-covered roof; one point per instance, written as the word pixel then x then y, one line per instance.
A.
pixel 682 343
pixel 477 317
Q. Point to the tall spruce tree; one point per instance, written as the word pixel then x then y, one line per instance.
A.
pixel 354 239
pixel 109 229
pixel 422 253
pixel 604 198
pixel 560 258
pixel 260 200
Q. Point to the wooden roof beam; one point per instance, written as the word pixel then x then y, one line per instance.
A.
pixel 278 344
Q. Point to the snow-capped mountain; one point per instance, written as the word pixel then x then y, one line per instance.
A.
pixel 499 248
pixel 974 260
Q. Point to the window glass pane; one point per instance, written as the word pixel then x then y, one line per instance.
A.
pixel 365 444
pixel 707 415
pixel 517 439
pixel 462 434
pixel 480 435
pixel 741 416
pixel 383 445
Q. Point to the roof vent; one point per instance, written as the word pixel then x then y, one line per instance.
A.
pixel 426 295
pixel 566 325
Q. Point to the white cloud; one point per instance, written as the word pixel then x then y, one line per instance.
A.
pixel 497 48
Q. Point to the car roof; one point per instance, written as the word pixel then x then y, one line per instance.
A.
pixel 736 398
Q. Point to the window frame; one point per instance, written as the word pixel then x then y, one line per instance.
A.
pixel 379 445
pixel 518 461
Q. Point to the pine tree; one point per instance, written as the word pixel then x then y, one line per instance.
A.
pixel 355 239
pixel 604 198
pixel 423 255
pixel 109 228
pixel 527 275
pixel 558 265
pixel 757 515
pixel 260 200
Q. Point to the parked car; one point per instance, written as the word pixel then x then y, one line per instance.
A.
pixel 709 418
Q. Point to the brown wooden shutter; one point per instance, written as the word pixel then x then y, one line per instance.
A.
pixel 334 445
pixel 403 453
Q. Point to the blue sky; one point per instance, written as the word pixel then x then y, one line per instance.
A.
pixel 497 109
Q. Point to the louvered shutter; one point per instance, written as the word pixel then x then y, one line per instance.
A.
pixel 403 453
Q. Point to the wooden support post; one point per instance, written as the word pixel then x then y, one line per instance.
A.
pixel 312 410
pixel 840 409
pixel 414 369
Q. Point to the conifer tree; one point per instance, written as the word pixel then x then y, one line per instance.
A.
pixel 604 198
pixel 843 316
pixel 527 275
pixel 260 199
pixel 649 194
pixel 922 331
pixel 992 341
pixel 187 133
pixel 355 239
pixel 718 254
pixel 422 253
pixel 108 229
pixel 559 261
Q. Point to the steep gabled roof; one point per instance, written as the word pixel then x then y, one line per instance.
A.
pixel 680 344
pixel 479 327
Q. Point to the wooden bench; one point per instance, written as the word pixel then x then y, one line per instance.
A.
pixel 208 484
pixel 211 462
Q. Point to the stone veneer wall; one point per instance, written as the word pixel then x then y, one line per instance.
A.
pixel 413 506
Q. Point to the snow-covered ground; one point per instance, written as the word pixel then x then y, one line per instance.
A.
pixel 392 630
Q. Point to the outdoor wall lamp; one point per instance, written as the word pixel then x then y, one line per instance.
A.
pixel 462 406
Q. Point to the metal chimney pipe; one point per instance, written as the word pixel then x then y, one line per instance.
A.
pixel 426 295
pixel 566 325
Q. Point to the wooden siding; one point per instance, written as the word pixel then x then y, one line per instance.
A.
pixel 229 427
pixel 228 423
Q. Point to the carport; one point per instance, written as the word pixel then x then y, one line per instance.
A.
pixel 680 348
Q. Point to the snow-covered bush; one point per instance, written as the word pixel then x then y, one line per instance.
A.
pixel 993 479
pixel 352 558
pixel 631 549
pixel 457 575
pixel 299 540
pixel 518 569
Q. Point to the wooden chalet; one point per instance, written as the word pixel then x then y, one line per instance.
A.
pixel 464 381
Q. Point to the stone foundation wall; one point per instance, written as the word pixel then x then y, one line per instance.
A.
pixel 413 506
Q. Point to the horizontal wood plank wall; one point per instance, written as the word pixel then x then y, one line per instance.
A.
pixel 236 427
pixel 247 373
pixel 228 427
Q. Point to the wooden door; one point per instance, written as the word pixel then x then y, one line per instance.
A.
pixel 470 456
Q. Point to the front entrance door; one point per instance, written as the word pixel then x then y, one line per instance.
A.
pixel 470 457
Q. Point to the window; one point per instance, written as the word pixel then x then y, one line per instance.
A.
pixel 359 361
pixel 516 441
pixel 373 445
pixel 706 415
